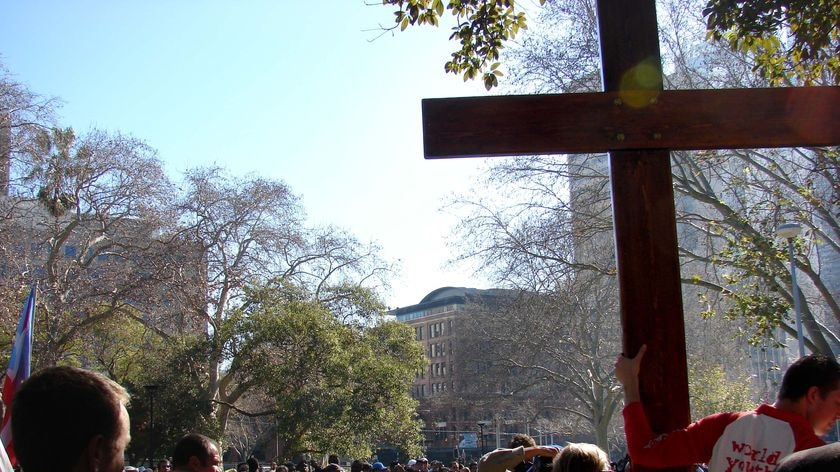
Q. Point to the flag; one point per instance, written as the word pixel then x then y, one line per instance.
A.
pixel 5 463
pixel 18 370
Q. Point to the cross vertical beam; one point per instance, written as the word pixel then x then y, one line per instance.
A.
pixel 644 217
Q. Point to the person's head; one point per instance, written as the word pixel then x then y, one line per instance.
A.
pixel 283 468
pixel 272 465
pixel 65 418
pixel 521 440
pixel 196 453
pixel 581 457
pixel 164 466
pixel 302 466
pixel 242 467
pixel 378 467
pixel 817 459
pixel 332 459
pixel 422 464
pixel 813 384
pixel 253 464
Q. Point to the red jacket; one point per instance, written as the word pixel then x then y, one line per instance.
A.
pixel 751 441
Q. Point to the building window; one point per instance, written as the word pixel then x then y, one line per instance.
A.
pixel 436 330
pixel 418 333
pixel 441 309
pixel 438 369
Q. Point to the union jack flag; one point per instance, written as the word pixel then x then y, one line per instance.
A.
pixel 17 372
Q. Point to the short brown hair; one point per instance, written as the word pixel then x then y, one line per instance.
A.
pixel 56 413
pixel 815 370
pixel 521 440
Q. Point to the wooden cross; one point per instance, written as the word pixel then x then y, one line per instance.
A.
pixel 638 123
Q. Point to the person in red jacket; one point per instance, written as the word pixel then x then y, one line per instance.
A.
pixel 806 407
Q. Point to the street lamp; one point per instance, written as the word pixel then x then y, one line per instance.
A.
pixel 481 425
pixel 789 231
pixel 151 390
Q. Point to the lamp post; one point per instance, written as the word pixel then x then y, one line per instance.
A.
pixel 498 420
pixel 151 390
pixel 481 425
pixel 789 231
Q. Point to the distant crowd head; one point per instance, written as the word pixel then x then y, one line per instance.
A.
pixel 196 453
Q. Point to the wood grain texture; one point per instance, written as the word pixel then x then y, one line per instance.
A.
pixel 606 121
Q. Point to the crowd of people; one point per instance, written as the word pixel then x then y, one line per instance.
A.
pixel 71 419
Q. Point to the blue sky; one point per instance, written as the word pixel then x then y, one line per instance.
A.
pixel 298 91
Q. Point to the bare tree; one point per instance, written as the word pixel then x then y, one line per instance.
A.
pixel 252 231
pixel 551 227
pixel 548 357
pixel 82 223
pixel 728 202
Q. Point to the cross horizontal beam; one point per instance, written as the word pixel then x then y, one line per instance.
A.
pixel 605 121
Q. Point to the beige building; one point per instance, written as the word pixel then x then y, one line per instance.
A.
pixel 455 417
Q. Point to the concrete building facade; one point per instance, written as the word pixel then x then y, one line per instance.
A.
pixel 459 419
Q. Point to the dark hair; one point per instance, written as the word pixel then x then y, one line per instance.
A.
pixel 522 440
pixel 815 370
pixel 253 464
pixel 193 444
pixel 56 413
pixel 332 459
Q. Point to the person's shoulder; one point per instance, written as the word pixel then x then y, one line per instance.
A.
pixel 723 418
pixel 795 419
